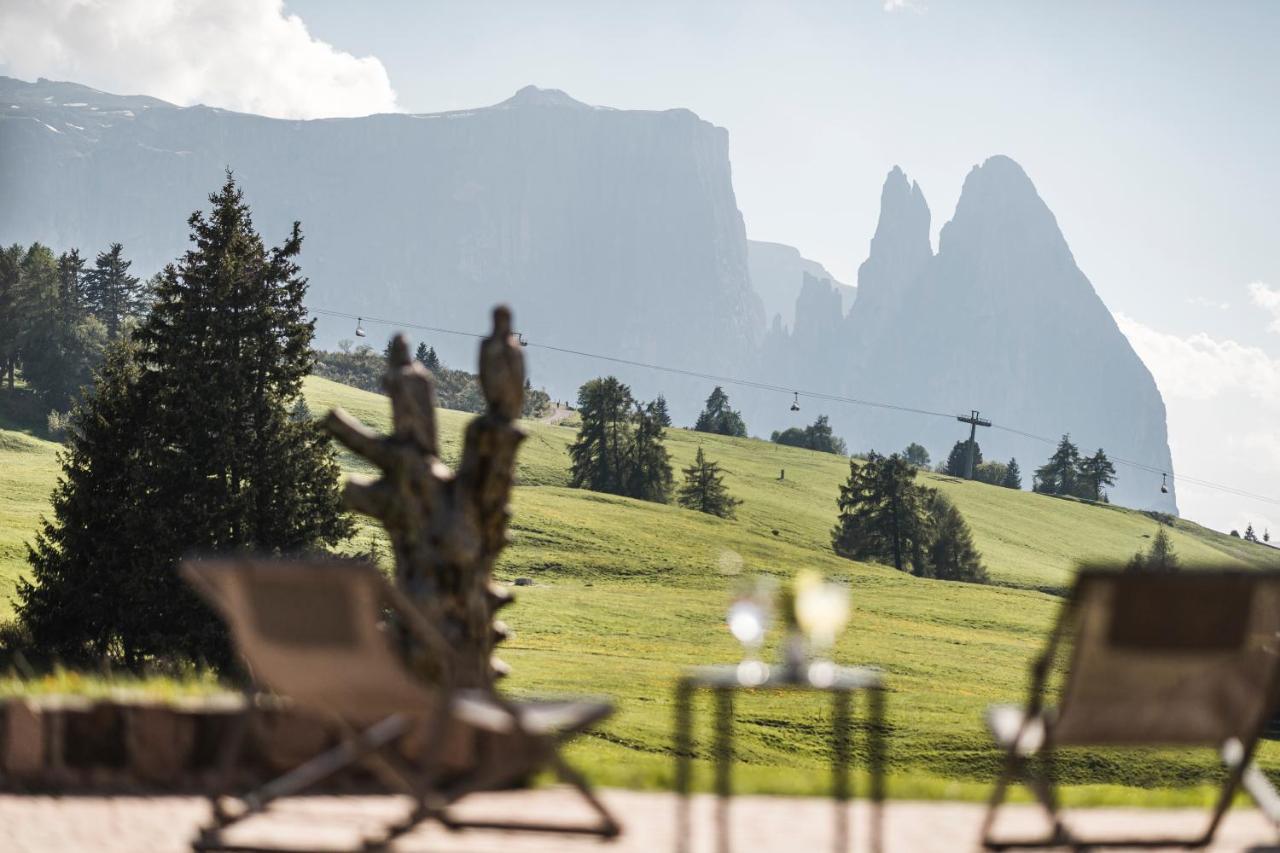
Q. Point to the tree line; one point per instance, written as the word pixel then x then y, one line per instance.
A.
pixel 58 314
pixel 363 367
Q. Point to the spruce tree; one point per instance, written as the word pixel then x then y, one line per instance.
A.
pixel 704 490
pixel 952 554
pixel 1095 474
pixel 1059 476
pixel 599 455
pixel 1249 535
pixel 882 515
pixel 113 294
pixel 819 436
pixel 958 459
pixel 58 344
pixel 649 463
pixel 1012 476
pixel 10 316
pixel 660 411
pixel 717 416
pixel 1159 558
pixel 84 598
pixel 427 355
pixel 219 465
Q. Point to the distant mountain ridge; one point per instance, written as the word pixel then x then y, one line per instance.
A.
pixel 617 232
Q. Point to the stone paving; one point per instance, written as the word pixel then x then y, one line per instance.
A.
pixel 786 825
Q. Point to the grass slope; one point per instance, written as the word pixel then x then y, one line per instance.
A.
pixel 628 593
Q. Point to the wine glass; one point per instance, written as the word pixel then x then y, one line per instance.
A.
pixel 748 621
pixel 822 611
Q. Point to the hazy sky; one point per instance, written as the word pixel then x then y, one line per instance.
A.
pixel 1150 129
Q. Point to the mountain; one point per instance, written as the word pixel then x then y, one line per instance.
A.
pixel 1001 320
pixel 777 274
pixel 614 231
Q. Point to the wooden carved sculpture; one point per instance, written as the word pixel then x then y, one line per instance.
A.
pixel 446 528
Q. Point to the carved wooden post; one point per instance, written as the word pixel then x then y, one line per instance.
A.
pixel 446 528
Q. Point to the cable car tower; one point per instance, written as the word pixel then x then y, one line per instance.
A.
pixel 974 422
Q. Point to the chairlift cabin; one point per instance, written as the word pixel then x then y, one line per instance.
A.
pixel 360 332
pixel 795 401
pixel 520 338
pixel 1164 484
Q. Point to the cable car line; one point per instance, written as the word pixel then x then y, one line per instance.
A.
pixel 796 395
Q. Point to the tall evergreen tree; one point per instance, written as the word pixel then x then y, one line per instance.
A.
pixel 58 344
pixel 1059 476
pixel 1012 476
pixel 1096 473
pixel 599 455
pixel 717 417
pixel 10 316
pixel 951 552
pixel 704 490
pixel 660 411
pixel 819 436
pixel 219 465
pixel 1249 534
pixel 649 475
pixel 882 515
pixel 113 294
pixel 958 459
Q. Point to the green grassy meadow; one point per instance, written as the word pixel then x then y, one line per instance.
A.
pixel 626 594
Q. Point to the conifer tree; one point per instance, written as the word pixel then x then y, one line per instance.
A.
pixel 952 554
pixel 882 515
pixel 1096 473
pixel 660 411
pixel 10 319
pixel 704 490
pixel 649 463
pixel 958 459
pixel 218 465
pixel 113 294
pixel 819 436
pixel 717 417
pixel 57 343
pixel 599 455
pixel 1012 476
pixel 1059 476
pixel 1159 558
pixel 1249 535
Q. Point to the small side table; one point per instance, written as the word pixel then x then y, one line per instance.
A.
pixel 841 682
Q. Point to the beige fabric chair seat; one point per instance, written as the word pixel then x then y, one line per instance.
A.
pixel 1183 659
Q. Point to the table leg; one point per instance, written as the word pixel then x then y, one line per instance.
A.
pixel 877 749
pixel 840 767
pixel 724 763
pixel 684 755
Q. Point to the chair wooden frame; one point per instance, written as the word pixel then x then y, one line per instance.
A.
pixel 1024 733
pixel 539 729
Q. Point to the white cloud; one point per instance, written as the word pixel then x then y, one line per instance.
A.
pixel 899 5
pixel 1203 302
pixel 1268 299
pixel 245 55
pixel 1223 400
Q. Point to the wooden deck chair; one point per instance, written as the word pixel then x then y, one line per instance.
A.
pixel 310 633
pixel 1188 658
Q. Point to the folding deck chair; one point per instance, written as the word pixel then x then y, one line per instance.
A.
pixel 310 633
pixel 1181 659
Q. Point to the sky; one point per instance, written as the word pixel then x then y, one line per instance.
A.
pixel 1149 128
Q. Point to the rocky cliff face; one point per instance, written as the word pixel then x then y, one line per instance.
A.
pixel 1001 320
pixel 778 273
pixel 608 230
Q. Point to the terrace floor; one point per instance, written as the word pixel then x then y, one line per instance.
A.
pixel 158 824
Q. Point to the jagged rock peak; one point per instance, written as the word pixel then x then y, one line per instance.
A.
pixel 999 202
pixel 532 96
pixel 904 217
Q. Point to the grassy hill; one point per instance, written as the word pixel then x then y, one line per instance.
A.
pixel 628 593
